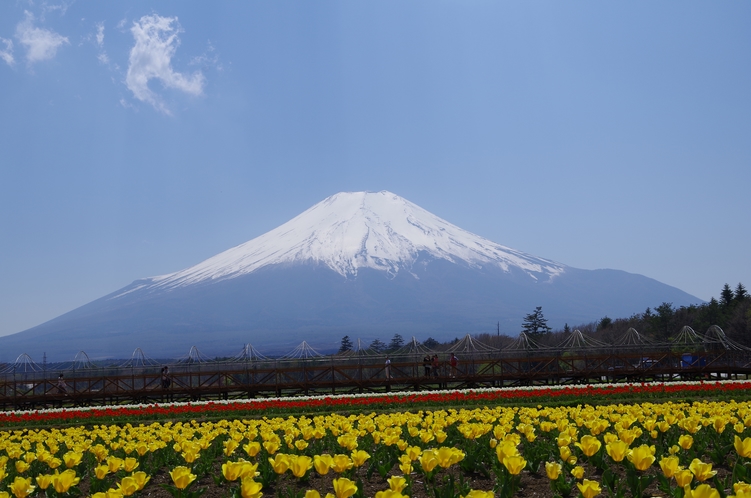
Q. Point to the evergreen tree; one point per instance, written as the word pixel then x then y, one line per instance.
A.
pixel 535 323
pixel 430 343
pixel 604 323
pixel 740 293
pixel 378 345
pixel 566 329
pixel 396 342
pixel 726 296
pixel 663 319
pixel 346 344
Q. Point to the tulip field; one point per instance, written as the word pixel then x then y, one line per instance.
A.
pixel 695 444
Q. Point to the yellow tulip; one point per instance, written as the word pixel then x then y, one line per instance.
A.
pixel 141 479
pixel 578 472
pixel 252 448
pixel 130 464
pixel 476 493
pixel 448 456
pixel 683 477
pixel 271 447
pixel 506 449
pixel 344 488
pixel 301 444
pixel 63 482
pixel 300 465
pixel 250 488
pixel 232 470
pixel 100 452
pixel 685 441
pixel 110 493
pixel 44 481
pixel 428 460
pixel 191 454
pixel 589 489
pixel 348 441
pixel 230 446
pixel 397 483
pixel 742 487
pixel 182 477
pixel 280 463
pixel 359 457
pixel 341 463
pixel 514 464
pixel 21 487
pixel 128 486
pixel 54 463
pixel 553 469
pixel 701 491
pixel 743 446
pixel 101 471
pixel 642 457
pixel 389 493
pixel 413 452
pixel 670 465
pixel 589 445
pixel 565 453
pixel 323 463
pixel 702 471
pixel 22 466
pixel 426 436
pixel 617 450
pixel 72 458
pixel 114 463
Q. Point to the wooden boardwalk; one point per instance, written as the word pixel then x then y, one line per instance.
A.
pixel 338 375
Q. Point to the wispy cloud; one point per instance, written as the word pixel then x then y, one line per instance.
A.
pixel 41 44
pixel 157 40
pixel 61 8
pixel 7 53
pixel 103 58
pixel 208 59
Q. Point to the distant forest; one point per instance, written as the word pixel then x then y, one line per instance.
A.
pixel 731 312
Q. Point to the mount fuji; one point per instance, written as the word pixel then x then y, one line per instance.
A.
pixel 362 264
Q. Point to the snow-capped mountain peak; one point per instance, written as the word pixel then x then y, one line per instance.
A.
pixel 353 230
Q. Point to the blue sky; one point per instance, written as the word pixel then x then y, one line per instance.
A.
pixel 140 138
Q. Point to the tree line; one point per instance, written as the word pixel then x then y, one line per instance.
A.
pixel 731 312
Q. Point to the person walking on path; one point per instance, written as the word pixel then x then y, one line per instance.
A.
pixel 453 361
pixel 426 363
pixel 166 381
pixel 387 368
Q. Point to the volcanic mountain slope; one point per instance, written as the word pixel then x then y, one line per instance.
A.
pixel 367 265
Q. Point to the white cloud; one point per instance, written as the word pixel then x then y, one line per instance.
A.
pixel 41 44
pixel 103 58
pixel 7 54
pixel 100 34
pixel 151 58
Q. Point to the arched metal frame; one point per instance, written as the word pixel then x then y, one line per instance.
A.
pixel 578 359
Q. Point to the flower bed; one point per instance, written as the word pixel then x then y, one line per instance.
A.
pixel 672 449
pixel 591 393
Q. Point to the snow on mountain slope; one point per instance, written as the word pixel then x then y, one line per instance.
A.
pixel 353 230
